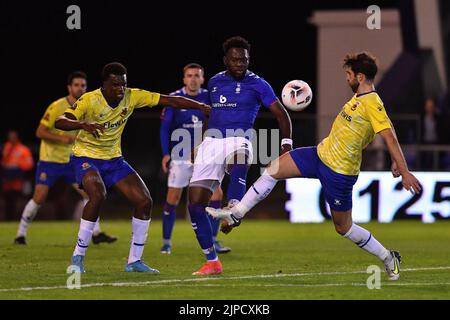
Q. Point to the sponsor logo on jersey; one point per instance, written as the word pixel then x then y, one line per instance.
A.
pixel 346 116
pixel 109 125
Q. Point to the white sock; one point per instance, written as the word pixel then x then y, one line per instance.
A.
pixel 84 237
pixel 256 193
pixel 97 229
pixel 28 215
pixel 138 238
pixel 364 239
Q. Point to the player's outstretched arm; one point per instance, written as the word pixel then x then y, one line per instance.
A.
pixel 284 123
pixel 409 181
pixel 44 133
pixel 68 122
pixel 178 102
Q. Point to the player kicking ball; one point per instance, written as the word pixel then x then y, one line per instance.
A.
pixel 54 159
pixel 101 116
pixel 236 96
pixel 336 162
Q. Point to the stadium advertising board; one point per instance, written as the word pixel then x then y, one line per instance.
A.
pixel 377 196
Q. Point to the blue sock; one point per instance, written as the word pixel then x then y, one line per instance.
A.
pixel 216 204
pixel 237 187
pixel 202 229
pixel 169 215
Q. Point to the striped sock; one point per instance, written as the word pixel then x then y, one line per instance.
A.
pixel 214 222
pixel 138 238
pixel 84 237
pixel 364 239
pixel 202 229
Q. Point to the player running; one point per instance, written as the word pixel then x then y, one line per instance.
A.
pixel 236 96
pixel 185 124
pixel 336 162
pixel 101 116
pixel 54 157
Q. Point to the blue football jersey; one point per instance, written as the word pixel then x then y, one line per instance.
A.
pixel 235 103
pixel 188 119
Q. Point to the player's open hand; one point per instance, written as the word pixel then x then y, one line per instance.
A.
pixel 206 109
pixel 94 128
pixel 164 163
pixel 395 171
pixel 411 183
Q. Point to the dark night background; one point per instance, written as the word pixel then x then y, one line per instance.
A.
pixel 154 41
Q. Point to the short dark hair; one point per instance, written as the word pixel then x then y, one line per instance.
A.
pixel 114 68
pixel 362 62
pixel 235 42
pixel 193 66
pixel 76 75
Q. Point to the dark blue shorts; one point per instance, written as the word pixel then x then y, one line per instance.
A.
pixel 337 188
pixel 48 172
pixel 111 171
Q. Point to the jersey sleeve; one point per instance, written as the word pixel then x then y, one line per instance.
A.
pixel 143 98
pixel 377 116
pixel 164 130
pixel 49 117
pixel 266 93
pixel 79 108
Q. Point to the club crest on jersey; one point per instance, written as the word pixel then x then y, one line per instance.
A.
pixel 43 176
pixel 353 108
pixel 85 166
pixel 124 112
pixel 74 106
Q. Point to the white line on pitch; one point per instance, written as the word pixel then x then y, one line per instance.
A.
pixel 262 276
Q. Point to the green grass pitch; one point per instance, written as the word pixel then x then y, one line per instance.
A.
pixel 269 260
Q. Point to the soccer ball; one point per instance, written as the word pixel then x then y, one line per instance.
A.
pixel 296 95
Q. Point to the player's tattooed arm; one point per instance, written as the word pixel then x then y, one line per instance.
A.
pixel 284 123
pixel 409 181
pixel 69 122
pixel 178 102
pixel 44 133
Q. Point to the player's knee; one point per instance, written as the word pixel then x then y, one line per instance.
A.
pixel 342 229
pixel 97 196
pixel 145 203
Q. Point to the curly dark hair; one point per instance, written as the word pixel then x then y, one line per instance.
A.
pixel 114 68
pixel 235 42
pixel 362 62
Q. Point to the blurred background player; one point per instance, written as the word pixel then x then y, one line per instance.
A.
pixel 16 163
pixel 336 162
pixel 54 157
pixel 101 116
pixel 180 168
pixel 236 96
